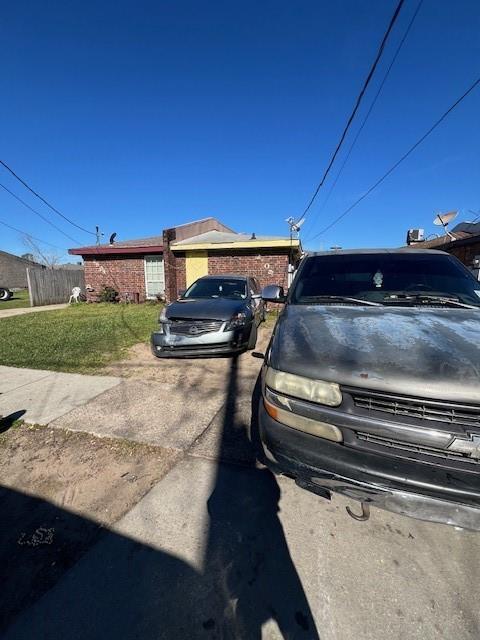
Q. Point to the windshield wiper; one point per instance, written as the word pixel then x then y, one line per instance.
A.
pixel 341 299
pixel 424 297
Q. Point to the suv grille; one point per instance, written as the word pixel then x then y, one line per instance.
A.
pixel 422 449
pixel 421 409
pixel 191 327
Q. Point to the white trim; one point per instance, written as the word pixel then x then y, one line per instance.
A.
pixel 159 258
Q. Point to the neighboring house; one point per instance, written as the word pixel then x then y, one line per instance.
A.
pixel 13 270
pixel 69 266
pixel 463 242
pixel 168 263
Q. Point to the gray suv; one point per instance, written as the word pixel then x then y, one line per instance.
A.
pixel 217 315
pixel 371 383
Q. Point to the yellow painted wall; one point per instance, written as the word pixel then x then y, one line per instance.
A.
pixel 196 265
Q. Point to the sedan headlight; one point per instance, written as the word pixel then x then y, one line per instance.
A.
pixel 163 315
pixel 237 320
pixel 319 391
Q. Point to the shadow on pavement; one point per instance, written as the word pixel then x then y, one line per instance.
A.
pixel 7 421
pixel 65 577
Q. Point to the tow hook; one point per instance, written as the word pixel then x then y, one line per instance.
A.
pixel 365 515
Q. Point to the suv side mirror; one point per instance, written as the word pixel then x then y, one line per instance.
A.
pixel 273 293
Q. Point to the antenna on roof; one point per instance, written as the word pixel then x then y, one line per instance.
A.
pixel 444 219
pixel 294 226
pixel 98 233
pixel 112 238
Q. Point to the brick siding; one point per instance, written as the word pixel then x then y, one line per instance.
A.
pixel 125 273
pixel 269 267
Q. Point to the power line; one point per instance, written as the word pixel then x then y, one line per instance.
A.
pixel 357 104
pixel 404 157
pixel 387 73
pixel 29 235
pixel 43 199
pixel 14 195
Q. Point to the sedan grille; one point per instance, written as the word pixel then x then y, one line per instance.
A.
pixel 420 409
pixel 191 327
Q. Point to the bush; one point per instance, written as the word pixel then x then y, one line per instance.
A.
pixel 108 294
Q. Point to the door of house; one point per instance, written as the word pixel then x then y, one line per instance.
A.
pixel 154 276
pixel 196 265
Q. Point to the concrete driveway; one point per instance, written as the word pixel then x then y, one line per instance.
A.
pixel 220 548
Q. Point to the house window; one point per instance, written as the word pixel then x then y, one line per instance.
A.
pixel 154 276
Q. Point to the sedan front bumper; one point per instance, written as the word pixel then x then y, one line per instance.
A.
pixel 215 343
pixel 421 491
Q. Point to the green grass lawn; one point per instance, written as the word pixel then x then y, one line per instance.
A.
pixel 81 338
pixel 19 299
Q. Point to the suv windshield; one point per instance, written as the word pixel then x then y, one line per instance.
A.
pixel 217 288
pixel 386 278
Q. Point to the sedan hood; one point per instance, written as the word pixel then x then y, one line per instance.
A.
pixel 432 353
pixel 205 309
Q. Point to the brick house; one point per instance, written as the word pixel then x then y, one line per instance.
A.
pixel 266 258
pixel 166 264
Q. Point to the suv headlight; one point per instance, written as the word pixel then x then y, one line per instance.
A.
pixel 237 320
pixel 319 391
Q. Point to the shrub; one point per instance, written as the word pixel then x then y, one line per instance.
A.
pixel 108 294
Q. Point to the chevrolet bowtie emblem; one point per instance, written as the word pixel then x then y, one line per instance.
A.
pixel 467 447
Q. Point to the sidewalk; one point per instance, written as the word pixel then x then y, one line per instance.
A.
pixel 8 313
pixel 46 395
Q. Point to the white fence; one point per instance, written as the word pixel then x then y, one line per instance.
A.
pixel 53 286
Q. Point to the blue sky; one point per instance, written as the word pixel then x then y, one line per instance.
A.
pixel 140 115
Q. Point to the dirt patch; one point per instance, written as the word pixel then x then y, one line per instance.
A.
pixel 59 490
pixel 95 477
pixel 210 373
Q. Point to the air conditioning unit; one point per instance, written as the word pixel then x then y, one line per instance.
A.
pixel 415 235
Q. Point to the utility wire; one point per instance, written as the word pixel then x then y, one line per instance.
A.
pixel 387 73
pixel 29 235
pixel 43 199
pixel 404 157
pixel 357 104
pixel 14 195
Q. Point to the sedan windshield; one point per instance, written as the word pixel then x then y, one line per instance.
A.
pixel 217 288
pixel 390 279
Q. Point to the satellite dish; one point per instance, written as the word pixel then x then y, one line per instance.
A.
pixel 443 219
pixel 112 238
pixel 296 225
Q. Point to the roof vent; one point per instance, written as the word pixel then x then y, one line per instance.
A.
pixel 254 237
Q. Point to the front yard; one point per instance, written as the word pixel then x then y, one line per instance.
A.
pixel 81 338
pixel 17 301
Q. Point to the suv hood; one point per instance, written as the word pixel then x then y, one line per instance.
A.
pixel 206 308
pixel 431 353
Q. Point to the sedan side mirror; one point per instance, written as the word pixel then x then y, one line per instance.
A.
pixel 273 293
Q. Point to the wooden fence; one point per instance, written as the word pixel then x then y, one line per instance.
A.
pixel 53 286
